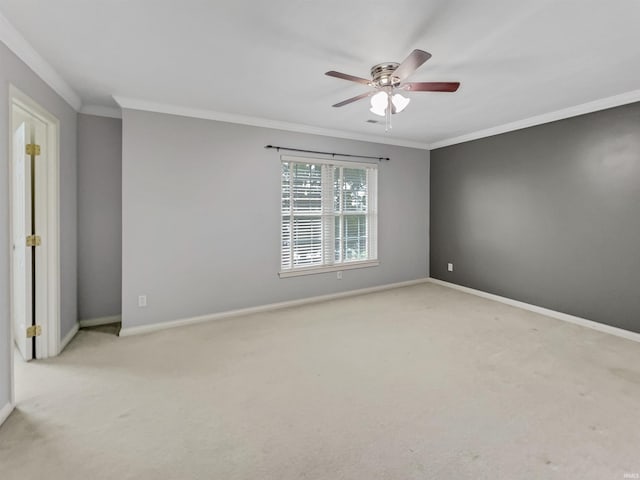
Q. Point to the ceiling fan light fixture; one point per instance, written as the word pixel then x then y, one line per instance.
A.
pixel 400 102
pixel 389 77
pixel 379 103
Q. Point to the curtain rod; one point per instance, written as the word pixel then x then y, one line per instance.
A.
pixel 325 153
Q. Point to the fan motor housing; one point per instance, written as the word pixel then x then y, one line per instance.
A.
pixel 382 74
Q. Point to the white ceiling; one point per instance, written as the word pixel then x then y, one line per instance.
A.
pixel 266 59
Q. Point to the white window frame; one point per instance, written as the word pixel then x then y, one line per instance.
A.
pixel 372 218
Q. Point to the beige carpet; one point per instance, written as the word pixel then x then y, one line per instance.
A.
pixel 421 382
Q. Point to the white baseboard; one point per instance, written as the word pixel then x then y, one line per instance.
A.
pixel 128 331
pixel 601 327
pixel 5 412
pixel 65 341
pixel 94 322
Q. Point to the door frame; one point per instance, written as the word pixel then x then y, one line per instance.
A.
pixel 48 344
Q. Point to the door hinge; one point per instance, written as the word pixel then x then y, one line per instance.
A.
pixel 34 241
pixel 34 331
pixel 33 149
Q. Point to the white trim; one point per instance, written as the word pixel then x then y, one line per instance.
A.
pixel 68 337
pixel 101 111
pixel 6 411
pixel 95 322
pixel 144 105
pixel 128 331
pixel 574 111
pixel 25 52
pixel 338 267
pixel 583 322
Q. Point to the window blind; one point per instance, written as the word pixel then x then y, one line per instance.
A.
pixel 329 214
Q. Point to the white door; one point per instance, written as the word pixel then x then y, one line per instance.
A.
pixel 22 306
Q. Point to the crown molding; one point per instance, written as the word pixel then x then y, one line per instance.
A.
pixel 101 111
pixel 25 52
pixel 137 104
pixel 576 110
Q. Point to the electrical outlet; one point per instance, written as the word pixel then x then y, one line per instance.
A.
pixel 450 267
pixel 339 275
pixel 142 300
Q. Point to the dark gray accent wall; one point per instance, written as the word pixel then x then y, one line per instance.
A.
pixel 548 215
pixel 14 71
pixel 201 217
pixel 99 216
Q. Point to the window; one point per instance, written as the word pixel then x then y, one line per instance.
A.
pixel 329 215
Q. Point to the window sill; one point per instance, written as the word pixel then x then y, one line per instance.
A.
pixel 333 268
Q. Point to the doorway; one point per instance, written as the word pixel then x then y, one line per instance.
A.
pixel 34 228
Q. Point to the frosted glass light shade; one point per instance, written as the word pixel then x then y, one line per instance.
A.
pixel 379 103
pixel 399 102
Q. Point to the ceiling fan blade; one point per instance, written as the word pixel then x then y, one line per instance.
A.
pixel 350 78
pixel 411 63
pixel 431 86
pixel 354 99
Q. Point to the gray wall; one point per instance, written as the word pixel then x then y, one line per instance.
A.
pixel 548 215
pixel 99 216
pixel 13 71
pixel 201 224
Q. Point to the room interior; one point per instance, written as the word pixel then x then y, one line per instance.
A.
pixel 455 295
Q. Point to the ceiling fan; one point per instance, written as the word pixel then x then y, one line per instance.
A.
pixel 389 78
